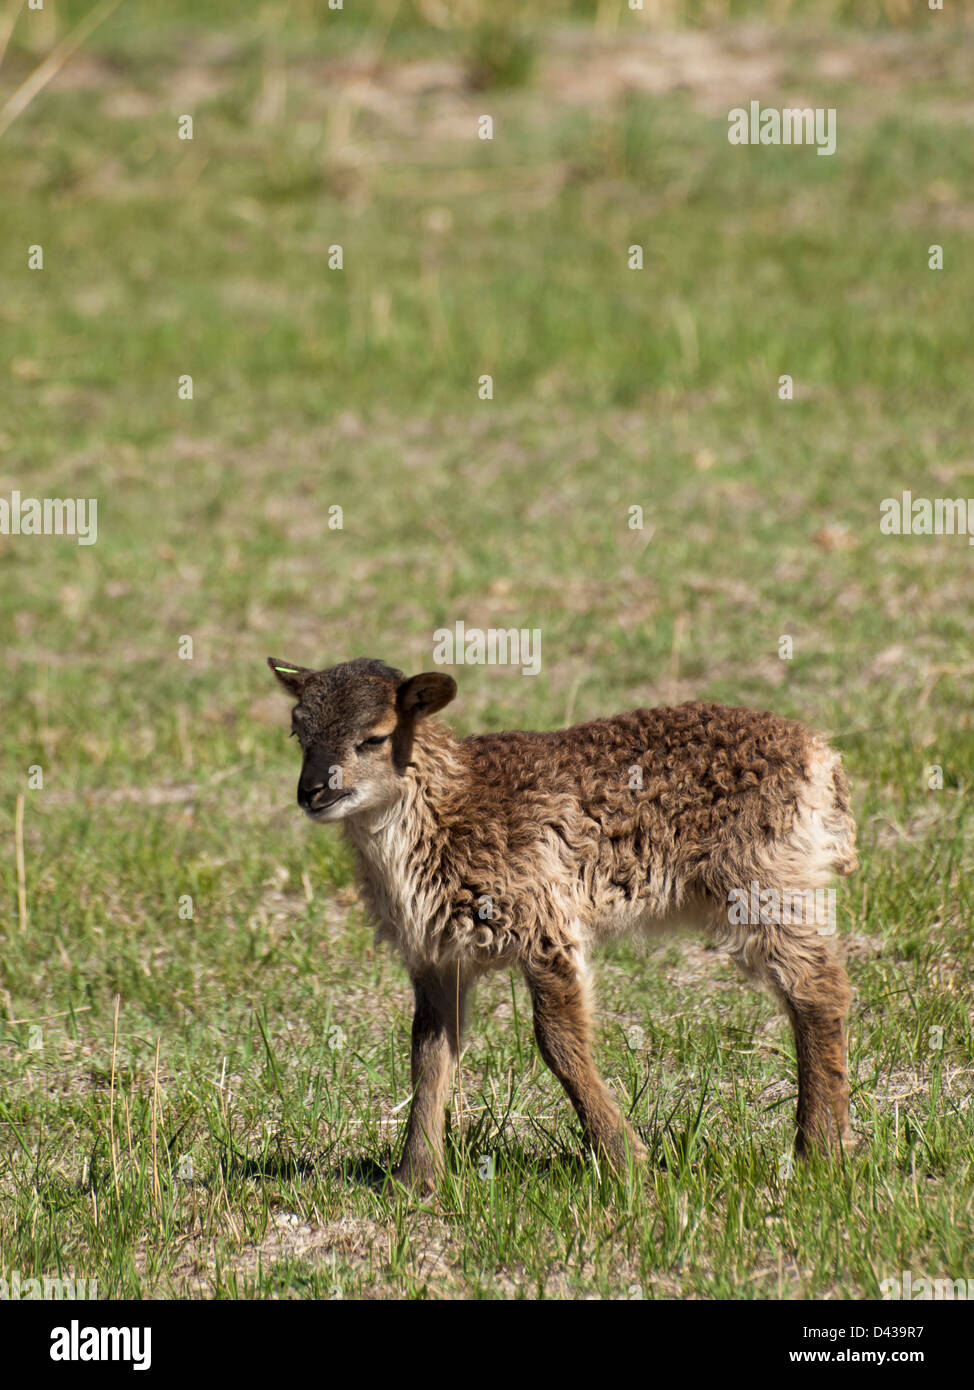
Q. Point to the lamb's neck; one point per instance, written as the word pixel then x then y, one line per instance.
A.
pixel 384 836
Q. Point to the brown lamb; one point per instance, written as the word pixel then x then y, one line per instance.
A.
pixel 526 849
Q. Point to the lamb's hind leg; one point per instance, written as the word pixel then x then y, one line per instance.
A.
pixel 823 1088
pixel 798 965
pixel 563 1028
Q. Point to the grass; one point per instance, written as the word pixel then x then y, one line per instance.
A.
pixel 247 1160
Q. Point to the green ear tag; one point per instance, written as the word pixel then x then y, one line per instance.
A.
pixel 288 670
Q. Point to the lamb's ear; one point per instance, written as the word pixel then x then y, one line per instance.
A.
pixel 425 694
pixel 291 677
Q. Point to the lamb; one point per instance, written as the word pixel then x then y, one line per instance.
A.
pixel 527 849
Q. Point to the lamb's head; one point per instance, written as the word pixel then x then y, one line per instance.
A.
pixel 356 724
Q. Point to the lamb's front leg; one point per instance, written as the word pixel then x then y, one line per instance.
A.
pixel 563 1028
pixel 437 1025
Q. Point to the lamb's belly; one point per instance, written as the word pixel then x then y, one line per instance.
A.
pixel 655 911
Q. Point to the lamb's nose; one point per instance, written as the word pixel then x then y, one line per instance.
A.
pixel 309 793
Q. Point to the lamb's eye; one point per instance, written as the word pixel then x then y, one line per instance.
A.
pixel 374 742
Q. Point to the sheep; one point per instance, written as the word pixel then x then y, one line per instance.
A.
pixel 526 849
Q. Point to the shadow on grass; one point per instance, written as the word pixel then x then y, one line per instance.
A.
pixel 363 1171
pixel 511 1161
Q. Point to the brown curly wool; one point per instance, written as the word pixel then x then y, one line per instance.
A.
pixel 524 849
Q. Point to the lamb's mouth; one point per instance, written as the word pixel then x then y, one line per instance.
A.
pixel 319 812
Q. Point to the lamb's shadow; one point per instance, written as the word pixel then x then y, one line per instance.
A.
pixel 512 1162
pixel 363 1171
pixel 281 1166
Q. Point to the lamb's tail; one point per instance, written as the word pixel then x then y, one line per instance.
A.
pixel 828 822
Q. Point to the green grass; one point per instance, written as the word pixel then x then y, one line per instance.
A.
pixel 282 1034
